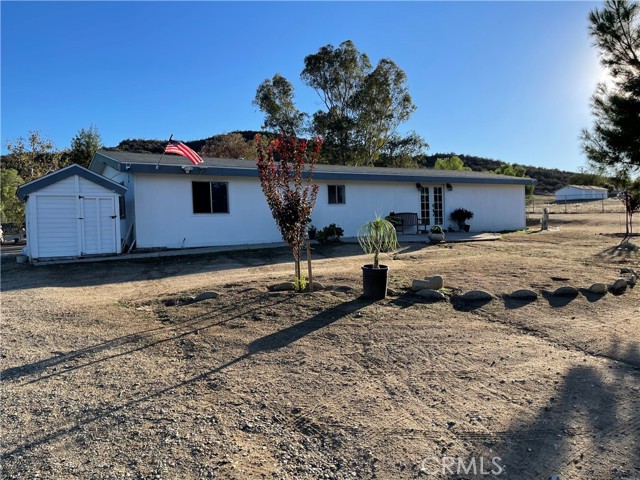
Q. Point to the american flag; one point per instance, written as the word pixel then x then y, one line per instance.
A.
pixel 180 148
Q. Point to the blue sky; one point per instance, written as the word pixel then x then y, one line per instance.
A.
pixel 505 80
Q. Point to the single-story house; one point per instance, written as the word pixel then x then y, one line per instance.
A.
pixel 170 203
pixel 580 192
pixel 71 213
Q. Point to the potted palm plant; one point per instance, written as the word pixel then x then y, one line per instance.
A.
pixel 378 235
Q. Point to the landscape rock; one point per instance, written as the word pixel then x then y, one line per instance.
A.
pixel 317 286
pixel 431 294
pixel 632 281
pixel 476 295
pixel 205 296
pixel 619 285
pixel 391 292
pixel 523 294
pixel 566 291
pixel 599 288
pixel 344 288
pixel 435 282
pixel 282 287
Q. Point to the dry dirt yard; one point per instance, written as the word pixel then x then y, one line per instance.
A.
pixel 109 372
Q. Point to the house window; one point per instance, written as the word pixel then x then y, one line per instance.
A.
pixel 336 194
pixel 210 197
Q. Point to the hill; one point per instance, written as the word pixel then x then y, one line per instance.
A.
pixel 549 179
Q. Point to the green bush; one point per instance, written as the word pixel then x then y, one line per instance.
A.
pixel 330 234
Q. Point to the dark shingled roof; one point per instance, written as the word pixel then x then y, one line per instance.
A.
pixel 148 163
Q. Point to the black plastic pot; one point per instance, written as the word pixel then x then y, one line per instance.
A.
pixel 374 282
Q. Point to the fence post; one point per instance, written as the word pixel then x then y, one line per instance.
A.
pixel 309 266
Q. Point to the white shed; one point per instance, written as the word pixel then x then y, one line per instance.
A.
pixel 580 192
pixel 72 213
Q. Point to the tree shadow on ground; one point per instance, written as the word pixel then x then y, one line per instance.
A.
pixel 274 341
pixel 629 355
pixel 580 426
pixel 624 249
pixel 287 336
pixel 128 344
pixel 413 247
pixel 23 276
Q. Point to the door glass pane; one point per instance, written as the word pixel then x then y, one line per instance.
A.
pixel 438 203
pixel 425 207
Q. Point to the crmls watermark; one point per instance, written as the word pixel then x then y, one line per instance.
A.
pixel 460 466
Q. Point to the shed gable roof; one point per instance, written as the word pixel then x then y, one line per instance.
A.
pixel 173 164
pixel 39 183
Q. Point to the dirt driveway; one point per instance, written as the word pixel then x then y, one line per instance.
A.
pixel 109 372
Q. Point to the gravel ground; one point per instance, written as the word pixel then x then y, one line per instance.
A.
pixel 110 371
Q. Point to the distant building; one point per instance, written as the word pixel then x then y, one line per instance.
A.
pixel 580 192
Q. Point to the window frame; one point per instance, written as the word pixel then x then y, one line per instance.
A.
pixel 210 212
pixel 337 188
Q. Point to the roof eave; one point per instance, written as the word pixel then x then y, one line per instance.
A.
pixel 28 188
pixel 102 158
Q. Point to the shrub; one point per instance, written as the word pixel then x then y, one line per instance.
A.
pixel 460 216
pixel 329 234
pixel 393 219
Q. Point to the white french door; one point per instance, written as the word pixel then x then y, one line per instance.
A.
pixel 432 205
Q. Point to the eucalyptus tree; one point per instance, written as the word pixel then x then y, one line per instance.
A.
pixel 362 106
pixel 274 97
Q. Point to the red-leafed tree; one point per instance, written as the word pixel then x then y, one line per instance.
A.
pixel 286 168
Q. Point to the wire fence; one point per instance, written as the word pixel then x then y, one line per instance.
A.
pixel 570 205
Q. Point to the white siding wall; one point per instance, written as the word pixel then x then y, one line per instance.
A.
pixel 165 218
pixel 495 207
pixel 126 179
pixel 363 202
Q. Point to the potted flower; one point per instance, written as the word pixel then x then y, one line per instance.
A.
pixel 378 235
pixel 436 234
pixel 460 216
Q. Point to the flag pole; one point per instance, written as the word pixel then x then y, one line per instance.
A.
pixel 162 156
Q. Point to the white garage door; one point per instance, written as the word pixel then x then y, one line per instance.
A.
pixel 57 223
